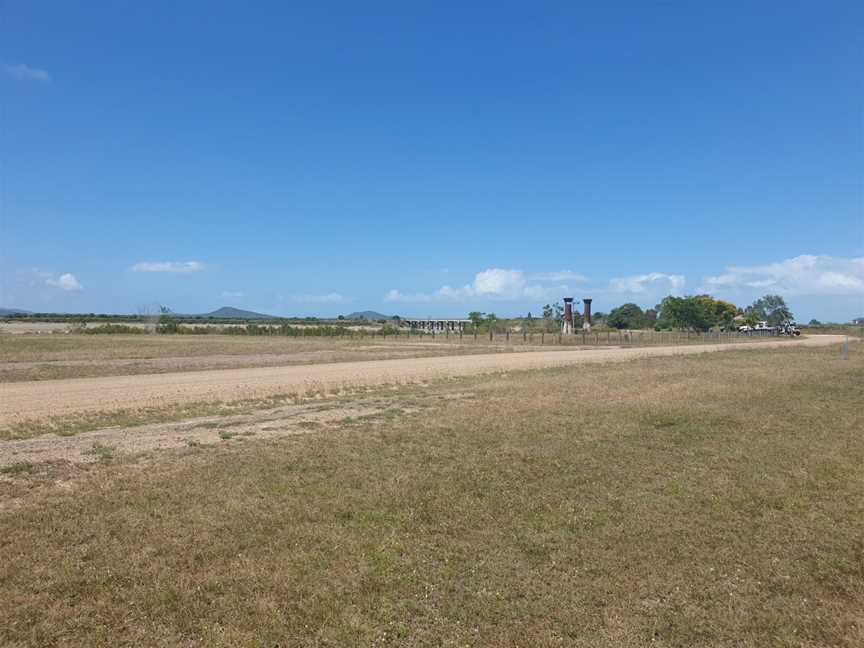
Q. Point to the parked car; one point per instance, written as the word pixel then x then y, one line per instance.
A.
pixel 762 328
pixel 789 328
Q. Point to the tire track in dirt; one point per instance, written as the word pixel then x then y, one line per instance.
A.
pixel 52 398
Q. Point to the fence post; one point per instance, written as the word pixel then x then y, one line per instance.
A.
pixel 542 338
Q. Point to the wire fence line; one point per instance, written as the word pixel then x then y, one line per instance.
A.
pixel 593 338
pixel 596 338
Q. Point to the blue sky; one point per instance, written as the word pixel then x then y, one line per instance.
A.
pixel 429 159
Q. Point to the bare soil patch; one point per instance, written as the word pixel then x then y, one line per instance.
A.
pixel 80 356
pixel 24 401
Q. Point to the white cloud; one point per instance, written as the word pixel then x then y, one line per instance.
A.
pixel 493 283
pixel 329 298
pixel 65 281
pixel 24 72
pixel 499 283
pixel 393 295
pixel 653 282
pixel 561 275
pixel 177 267
pixel 807 274
pixel 233 294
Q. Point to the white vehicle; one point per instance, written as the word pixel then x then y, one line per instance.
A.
pixel 790 328
pixel 760 327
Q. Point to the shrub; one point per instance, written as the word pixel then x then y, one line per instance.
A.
pixel 117 329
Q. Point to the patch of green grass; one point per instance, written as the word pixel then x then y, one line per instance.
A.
pixel 308 425
pixel 385 415
pixel 16 468
pixel 78 423
pixel 102 452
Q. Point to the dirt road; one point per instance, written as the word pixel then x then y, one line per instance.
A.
pixel 37 399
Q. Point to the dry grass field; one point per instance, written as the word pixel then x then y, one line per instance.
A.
pixel 51 357
pixel 67 406
pixel 706 500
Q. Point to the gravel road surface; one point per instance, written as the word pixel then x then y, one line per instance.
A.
pixel 38 399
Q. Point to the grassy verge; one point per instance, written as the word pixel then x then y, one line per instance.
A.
pixel 25 358
pixel 710 500
pixel 70 425
pixel 130 418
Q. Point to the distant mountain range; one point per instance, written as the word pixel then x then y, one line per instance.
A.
pixel 227 312
pixel 367 315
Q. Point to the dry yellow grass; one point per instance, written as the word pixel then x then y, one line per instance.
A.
pixel 710 500
pixel 51 357
pixel 79 356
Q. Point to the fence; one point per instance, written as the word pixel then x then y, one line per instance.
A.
pixel 507 337
pixel 595 338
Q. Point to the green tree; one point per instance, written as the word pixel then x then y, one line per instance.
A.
pixel 750 318
pixel 722 312
pixel 553 314
pixel 699 312
pixel 626 316
pixel 650 317
pixel 476 317
pixel 772 309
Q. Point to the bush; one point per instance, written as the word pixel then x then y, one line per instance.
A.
pixel 628 316
pixel 113 329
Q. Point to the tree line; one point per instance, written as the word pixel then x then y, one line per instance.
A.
pixel 693 312
pixel 699 313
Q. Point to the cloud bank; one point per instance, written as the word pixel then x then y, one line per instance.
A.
pixel 670 284
pixel 493 283
pixel 808 274
pixel 561 275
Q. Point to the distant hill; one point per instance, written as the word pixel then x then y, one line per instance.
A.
pixel 13 311
pixel 367 315
pixel 227 312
